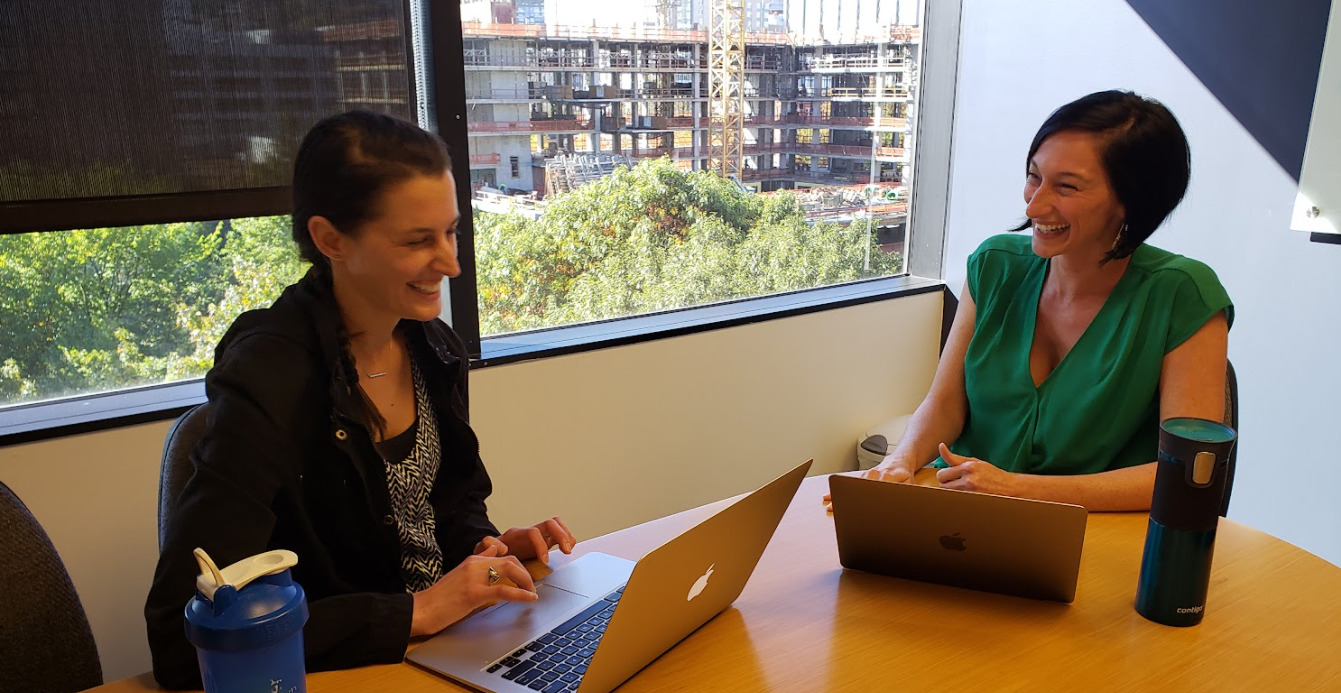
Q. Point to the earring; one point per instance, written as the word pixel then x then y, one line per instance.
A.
pixel 1118 238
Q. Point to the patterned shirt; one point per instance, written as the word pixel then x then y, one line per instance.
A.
pixel 409 482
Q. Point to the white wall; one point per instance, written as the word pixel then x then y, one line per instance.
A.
pixel 1020 60
pixel 96 495
pixel 615 437
pixel 1320 176
pixel 605 439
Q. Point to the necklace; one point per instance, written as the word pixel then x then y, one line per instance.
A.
pixel 372 376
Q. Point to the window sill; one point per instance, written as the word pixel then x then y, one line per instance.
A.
pixel 523 346
pixel 56 418
pixel 73 415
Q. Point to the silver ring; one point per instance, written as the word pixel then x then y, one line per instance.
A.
pixel 494 577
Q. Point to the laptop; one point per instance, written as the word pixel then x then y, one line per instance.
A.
pixel 600 619
pixel 1026 548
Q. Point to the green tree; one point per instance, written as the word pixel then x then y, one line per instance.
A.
pixel 261 260
pixel 112 308
pixel 656 238
pixel 87 306
pixel 100 309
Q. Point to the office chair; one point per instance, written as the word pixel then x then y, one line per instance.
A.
pixel 44 633
pixel 182 437
pixel 1231 420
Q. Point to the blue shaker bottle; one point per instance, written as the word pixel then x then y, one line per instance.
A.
pixel 246 622
pixel 1184 513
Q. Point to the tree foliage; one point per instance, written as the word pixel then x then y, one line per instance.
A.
pixel 104 309
pixel 101 309
pixel 655 238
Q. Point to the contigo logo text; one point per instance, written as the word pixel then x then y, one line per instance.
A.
pixel 1189 609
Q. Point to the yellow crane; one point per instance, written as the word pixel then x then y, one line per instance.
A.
pixel 726 87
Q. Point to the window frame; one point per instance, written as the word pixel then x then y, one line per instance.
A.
pixel 446 86
pixel 55 216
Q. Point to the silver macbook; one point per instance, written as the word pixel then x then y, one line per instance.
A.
pixel 600 618
pixel 980 541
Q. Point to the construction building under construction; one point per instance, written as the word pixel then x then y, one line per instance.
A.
pixel 744 96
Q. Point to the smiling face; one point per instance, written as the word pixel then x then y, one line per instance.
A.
pixel 1069 200
pixel 392 267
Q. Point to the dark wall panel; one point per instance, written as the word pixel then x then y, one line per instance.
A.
pixel 1258 57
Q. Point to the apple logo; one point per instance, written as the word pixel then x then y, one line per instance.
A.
pixel 953 543
pixel 700 584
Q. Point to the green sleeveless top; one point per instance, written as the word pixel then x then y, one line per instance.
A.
pixel 1099 409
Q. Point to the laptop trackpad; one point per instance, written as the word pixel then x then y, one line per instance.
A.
pixel 522 617
pixel 592 575
pixel 497 630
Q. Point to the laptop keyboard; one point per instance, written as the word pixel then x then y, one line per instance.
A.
pixel 556 661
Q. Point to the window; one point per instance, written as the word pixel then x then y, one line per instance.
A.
pixel 637 205
pixel 118 308
pixel 157 120
pixel 127 276
pixel 123 96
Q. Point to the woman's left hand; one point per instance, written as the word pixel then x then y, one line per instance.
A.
pixel 531 542
pixel 973 474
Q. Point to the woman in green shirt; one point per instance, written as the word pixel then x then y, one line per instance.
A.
pixel 1070 346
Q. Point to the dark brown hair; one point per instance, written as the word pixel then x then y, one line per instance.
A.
pixel 1145 156
pixel 344 165
pixel 347 161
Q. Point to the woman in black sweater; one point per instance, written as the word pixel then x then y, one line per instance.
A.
pixel 338 421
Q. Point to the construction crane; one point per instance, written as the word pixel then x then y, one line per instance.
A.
pixel 726 87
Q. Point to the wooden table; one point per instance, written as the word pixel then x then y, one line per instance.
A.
pixel 1273 623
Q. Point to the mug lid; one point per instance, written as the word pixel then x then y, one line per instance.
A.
pixel 1200 430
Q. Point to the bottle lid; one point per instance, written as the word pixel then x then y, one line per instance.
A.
pixel 249 605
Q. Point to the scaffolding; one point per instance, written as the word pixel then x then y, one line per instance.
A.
pixel 568 172
pixel 726 87
pixel 795 114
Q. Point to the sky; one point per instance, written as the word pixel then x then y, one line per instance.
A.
pixel 844 15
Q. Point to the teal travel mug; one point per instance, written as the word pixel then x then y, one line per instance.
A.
pixel 1184 512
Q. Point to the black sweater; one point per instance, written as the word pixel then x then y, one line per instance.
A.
pixel 285 464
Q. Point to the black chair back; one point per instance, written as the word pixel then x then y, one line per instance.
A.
pixel 185 432
pixel 45 640
pixel 1231 420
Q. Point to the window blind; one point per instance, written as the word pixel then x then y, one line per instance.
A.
pixel 116 112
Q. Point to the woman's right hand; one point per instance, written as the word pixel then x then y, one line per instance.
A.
pixel 891 470
pixel 467 588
